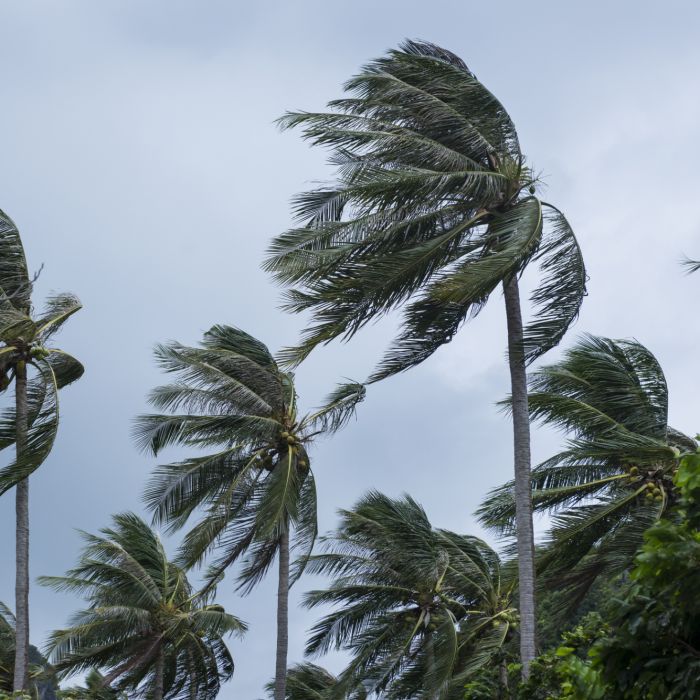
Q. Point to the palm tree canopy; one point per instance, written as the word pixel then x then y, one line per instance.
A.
pixel 432 207
pixel 141 607
pixel 614 479
pixel 308 681
pixel 230 396
pixel 94 689
pixel 418 608
pixel 25 338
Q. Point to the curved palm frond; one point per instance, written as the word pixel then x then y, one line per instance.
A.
pixel 615 476
pixel 432 207
pixel 410 603
pixel 140 608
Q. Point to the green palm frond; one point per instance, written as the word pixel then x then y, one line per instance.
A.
pixel 15 286
pixel 140 607
pixel 253 480
pixel 432 207
pixel 615 476
pixel 690 265
pixel 43 399
pixel 405 599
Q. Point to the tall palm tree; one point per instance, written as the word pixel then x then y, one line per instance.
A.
pixel 144 625
pixel 615 477
pixel 419 609
pixel 32 424
pixel 257 489
pixel 433 209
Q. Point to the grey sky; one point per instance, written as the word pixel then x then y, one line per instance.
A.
pixel 140 162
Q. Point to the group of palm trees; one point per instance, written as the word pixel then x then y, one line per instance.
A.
pixel 432 209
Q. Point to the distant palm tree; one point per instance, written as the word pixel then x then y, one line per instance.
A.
pixel 311 682
pixel 258 487
pixel 419 609
pixel 615 478
pixel 32 425
pixel 433 209
pixel 94 689
pixel 144 626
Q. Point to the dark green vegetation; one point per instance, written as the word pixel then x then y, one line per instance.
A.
pixel 432 210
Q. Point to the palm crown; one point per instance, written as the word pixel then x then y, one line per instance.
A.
pixel 419 609
pixel 24 340
pixel 433 205
pixel 145 626
pixel 614 479
pixel 259 481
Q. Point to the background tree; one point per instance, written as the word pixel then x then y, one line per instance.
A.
pixel 144 626
pixel 257 488
pixel 615 477
pixel 32 424
pixel 308 681
pixel 433 208
pixel 42 684
pixel 94 689
pixel 419 609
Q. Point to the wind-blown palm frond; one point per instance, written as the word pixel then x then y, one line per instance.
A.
pixel 411 604
pixel 615 476
pixel 308 681
pixel 432 207
pixel 15 286
pixel 142 615
pixel 690 265
pixel 256 490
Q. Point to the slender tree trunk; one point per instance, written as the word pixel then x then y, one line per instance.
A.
pixel 21 674
pixel 503 689
pixel 282 619
pixel 159 672
pixel 523 492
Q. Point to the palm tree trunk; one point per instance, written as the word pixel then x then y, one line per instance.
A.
pixel 523 491
pixel 503 693
pixel 282 619
pixel 21 673
pixel 159 672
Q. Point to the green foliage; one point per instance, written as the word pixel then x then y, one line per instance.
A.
pixel 432 209
pixel 566 671
pixel 420 610
pixel 94 689
pixel 654 649
pixel 254 480
pixel 308 681
pixel 23 343
pixel 141 612
pixel 615 477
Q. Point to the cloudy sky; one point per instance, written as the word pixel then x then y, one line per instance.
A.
pixel 141 163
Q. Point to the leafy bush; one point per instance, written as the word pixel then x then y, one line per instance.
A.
pixel 654 651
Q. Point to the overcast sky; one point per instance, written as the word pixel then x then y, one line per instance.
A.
pixel 142 166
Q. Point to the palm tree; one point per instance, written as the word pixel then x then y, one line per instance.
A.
pixel 615 477
pixel 308 681
pixel 32 424
pixel 94 689
pixel 257 488
pixel 144 625
pixel 419 609
pixel 433 209
pixel 42 682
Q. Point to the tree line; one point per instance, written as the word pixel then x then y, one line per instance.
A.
pixel 433 209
